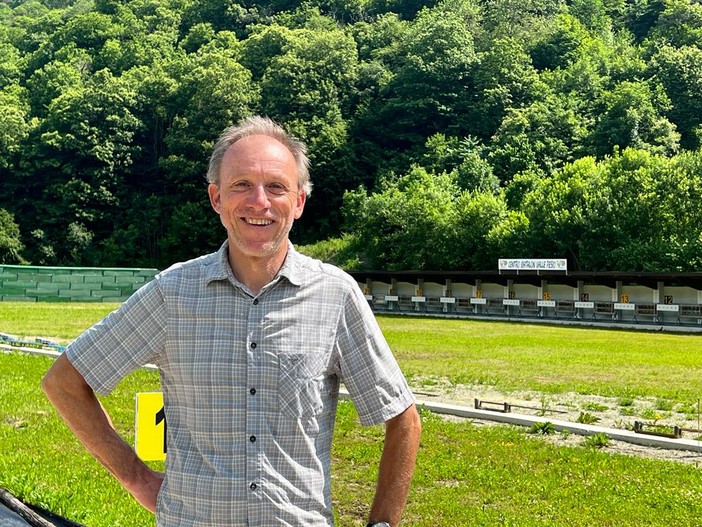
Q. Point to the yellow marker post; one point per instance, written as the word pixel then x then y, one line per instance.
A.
pixel 150 427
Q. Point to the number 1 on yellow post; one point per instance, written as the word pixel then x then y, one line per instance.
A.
pixel 150 427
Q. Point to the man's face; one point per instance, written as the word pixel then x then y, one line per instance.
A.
pixel 257 197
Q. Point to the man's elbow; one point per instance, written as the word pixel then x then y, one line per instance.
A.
pixel 408 423
pixel 50 383
pixel 415 424
pixel 61 378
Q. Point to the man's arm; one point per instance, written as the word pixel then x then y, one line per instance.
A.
pixel 402 435
pixel 77 404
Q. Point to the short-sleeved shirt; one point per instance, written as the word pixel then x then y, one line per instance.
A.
pixel 250 384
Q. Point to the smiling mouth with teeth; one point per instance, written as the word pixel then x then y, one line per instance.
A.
pixel 254 221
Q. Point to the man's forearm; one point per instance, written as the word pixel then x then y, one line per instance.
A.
pixel 77 404
pixel 402 436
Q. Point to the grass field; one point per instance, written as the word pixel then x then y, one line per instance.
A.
pixel 467 475
pixel 549 359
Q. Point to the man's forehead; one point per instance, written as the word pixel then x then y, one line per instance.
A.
pixel 258 142
pixel 258 152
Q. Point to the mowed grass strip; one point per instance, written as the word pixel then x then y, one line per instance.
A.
pixel 62 321
pixel 549 359
pixel 467 475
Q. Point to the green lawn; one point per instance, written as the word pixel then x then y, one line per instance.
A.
pixel 467 475
pixel 61 321
pixel 549 359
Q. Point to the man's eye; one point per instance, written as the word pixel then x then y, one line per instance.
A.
pixel 277 189
pixel 240 186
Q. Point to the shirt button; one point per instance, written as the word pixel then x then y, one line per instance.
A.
pixel 252 439
pixel 253 486
pixel 255 302
pixel 252 391
pixel 253 345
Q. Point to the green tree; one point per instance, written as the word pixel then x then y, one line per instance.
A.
pixel 633 116
pixel 464 158
pixel 680 73
pixel 558 210
pixel 427 91
pixel 156 106
pixel 228 15
pixel 312 77
pixel 406 9
pixel 559 45
pixel 593 14
pixel 75 168
pixel 502 78
pixel 646 194
pixel 601 65
pixel 681 187
pixel 5 12
pixel 68 71
pixel 10 243
pixel 422 220
pixel 540 137
pixel 522 20
pixel 630 212
pixel 146 34
pixel 197 36
pixel 406 224
pixel 263 46
pixel 9 67
pixel 478 238
pixel 680 24
pixel 87 31
pixel 15 124
pixel 137 241
pixel 642 15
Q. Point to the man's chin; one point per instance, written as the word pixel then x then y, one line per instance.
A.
pixel 258 249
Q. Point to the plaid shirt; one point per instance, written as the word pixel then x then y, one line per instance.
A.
pixel 250 384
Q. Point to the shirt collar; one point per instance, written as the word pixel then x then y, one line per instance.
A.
pixel 291 266
pixel 219 269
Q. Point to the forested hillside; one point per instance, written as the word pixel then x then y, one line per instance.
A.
pixel 443 134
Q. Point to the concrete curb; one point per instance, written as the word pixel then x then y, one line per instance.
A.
pixel 33 351
pixel 575 428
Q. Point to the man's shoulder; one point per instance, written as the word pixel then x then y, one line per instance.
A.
pixel 314 269
pixel 197 268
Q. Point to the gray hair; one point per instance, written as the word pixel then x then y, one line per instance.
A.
pixel 257 125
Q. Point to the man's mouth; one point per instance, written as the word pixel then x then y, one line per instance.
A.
pixel 257 221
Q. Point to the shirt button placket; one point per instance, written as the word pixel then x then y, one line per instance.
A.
pixel 253 415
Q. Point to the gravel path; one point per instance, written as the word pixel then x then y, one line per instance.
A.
pixel 609 412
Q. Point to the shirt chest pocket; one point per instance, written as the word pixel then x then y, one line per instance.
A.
pixel 304 384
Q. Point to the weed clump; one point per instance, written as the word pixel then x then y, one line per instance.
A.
pixel 544 428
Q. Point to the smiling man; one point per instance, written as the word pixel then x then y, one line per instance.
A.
pixel 255 191
pixel 252 343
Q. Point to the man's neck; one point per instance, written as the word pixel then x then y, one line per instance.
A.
pixel 256 273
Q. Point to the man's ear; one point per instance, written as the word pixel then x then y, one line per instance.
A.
pixel 300 204
pixel 215 197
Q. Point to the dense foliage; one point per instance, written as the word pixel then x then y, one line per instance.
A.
pixel 444 134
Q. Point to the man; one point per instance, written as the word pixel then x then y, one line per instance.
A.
pixel 251 343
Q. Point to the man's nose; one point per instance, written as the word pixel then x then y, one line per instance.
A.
pixel 258 197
